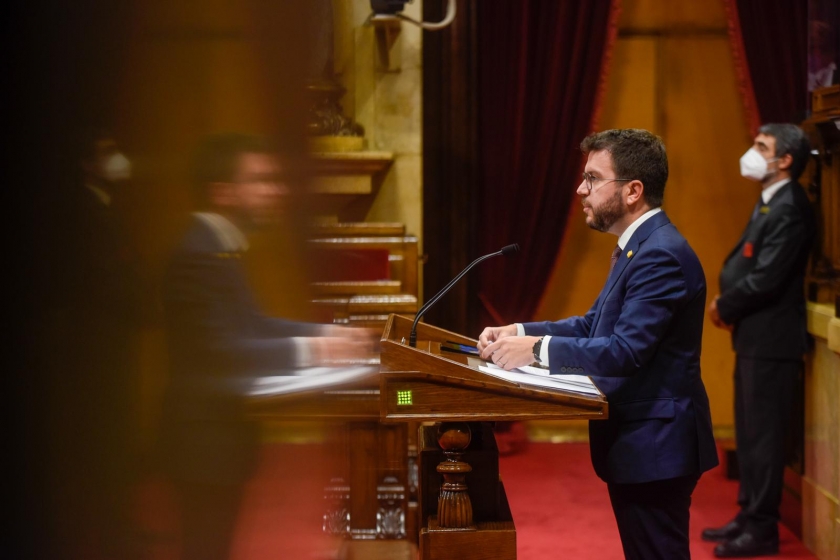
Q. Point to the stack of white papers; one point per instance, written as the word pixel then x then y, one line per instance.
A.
pixel 539 377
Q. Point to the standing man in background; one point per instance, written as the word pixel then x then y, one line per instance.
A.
pixel 97 282
pixel 762 302
pixel 640 343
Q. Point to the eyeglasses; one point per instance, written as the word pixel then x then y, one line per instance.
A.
pixel 591 180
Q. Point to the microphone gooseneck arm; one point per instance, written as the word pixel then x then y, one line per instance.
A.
pixel 412 338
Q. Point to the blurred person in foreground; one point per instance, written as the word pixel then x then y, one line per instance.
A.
pixel 640 343
pixel 762 301
pixel 98 310
pixel 218 337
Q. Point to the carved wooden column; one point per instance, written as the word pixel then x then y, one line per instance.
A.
pixel 464 511
pixel 454 505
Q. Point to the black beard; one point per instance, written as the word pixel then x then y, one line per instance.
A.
pixel 608 214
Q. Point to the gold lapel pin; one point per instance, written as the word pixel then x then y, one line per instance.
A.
pixel 764 209
pixel 629 253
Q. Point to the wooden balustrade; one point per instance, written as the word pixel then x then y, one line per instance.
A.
pixel 364 272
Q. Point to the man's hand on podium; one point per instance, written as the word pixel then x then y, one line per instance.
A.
pixel 507 350
pixel 492 334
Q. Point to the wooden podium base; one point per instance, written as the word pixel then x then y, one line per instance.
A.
pixel 377 550
pixel 492 534
pixel 488 540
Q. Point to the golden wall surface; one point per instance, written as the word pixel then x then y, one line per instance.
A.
pixel 388 102
pixel 821 480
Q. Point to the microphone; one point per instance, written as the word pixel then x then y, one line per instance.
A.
pixel 506 250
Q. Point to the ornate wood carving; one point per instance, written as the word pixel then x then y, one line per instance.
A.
pixel 326 117
pixel 454 505
pixel 390 516
pixel 337 514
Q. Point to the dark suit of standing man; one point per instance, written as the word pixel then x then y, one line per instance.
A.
pixel 762 301
pixel 640 343
pixel 99 295
pixel 218 338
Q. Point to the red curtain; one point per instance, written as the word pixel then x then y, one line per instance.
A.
pixel 769 43
pixel 541 69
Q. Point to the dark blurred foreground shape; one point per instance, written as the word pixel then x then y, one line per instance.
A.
pixel 91 306
pixel 220 341
pixel 97 309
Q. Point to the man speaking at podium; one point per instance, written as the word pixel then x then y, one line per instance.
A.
pixel 640 343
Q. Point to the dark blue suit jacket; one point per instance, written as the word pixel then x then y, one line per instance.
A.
pixel 640 343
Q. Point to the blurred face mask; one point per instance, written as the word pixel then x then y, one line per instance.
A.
pixel 754 166
pixel 116 167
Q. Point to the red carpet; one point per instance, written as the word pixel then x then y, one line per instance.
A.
pixel 561 509
pixel 280 517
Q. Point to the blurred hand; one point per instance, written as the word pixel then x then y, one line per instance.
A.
pixel 361 335
pixel 335 349
pixel 343 344
pixel 511 351
pixel 492 334
pixel 714 315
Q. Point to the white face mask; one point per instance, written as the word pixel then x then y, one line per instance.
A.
pixel 754 166
pixel 116 168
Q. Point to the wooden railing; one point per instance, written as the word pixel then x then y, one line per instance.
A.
pixel 366 270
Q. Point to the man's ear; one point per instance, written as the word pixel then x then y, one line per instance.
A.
pixel 785 162
pixel 635 192
pixel 221 194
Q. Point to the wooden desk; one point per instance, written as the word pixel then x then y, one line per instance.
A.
pixel 388 483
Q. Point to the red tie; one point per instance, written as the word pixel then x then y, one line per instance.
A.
pixel 614 258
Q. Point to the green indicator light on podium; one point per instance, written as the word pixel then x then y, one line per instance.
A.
pixel 403 398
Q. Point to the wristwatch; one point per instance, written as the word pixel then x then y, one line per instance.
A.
pixel 537 348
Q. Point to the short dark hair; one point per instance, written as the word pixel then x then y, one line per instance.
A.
pixel 636 154
pixel 217 159
pixel 790 139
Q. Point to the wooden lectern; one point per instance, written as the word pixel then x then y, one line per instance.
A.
pixel 463 510
pixel 444 482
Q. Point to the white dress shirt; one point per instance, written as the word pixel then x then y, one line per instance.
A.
pixel 767 194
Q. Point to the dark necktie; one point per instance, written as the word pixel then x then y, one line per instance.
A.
pixel 614 258
pixel 757 209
